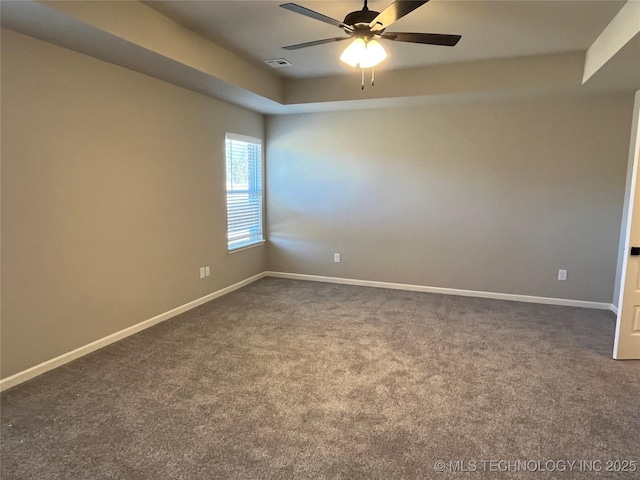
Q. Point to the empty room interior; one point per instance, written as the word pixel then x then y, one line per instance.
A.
pixel 323 239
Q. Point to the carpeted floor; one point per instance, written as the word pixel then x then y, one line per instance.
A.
pixel 293 380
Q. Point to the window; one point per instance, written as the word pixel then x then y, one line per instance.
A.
pixel 244 191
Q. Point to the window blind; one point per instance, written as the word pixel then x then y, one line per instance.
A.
pixel 244 191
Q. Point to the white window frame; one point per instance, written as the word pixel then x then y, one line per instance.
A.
pixel 238 239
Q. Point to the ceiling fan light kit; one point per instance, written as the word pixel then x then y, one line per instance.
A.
pixel 367 27
pixel 365 53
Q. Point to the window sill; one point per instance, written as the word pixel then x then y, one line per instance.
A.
pixel 246 247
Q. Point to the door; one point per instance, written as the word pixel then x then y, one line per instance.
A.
pixel 627 341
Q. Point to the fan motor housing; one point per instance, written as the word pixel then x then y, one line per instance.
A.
pixel 360 21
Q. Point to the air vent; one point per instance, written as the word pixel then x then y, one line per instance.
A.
pixel 278 63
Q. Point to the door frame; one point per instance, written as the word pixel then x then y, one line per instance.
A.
pixel 633 187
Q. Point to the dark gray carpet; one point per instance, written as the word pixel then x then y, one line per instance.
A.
pixel 288 379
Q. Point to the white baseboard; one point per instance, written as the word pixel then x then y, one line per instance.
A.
pixel 114 337
pixel 445 291
pixel 93 346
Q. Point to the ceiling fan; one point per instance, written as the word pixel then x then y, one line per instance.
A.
pixel 366 27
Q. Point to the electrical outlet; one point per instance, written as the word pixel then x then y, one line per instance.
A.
pixel 336 257
pixel 562 274
pixel 207 271
pixel 202 272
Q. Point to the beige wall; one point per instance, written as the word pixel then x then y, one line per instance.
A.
pixel 481 196
pixel 112 198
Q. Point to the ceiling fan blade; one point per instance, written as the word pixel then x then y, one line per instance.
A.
pixel 314 43
pixel 394 12
pixel 426 38
pixel 311 14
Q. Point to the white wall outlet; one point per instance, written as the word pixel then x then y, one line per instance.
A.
pixel 207 271
pixel 336 257
pixel 202 273
pixel 562 274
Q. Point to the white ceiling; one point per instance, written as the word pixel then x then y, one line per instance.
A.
pixel 490 29
pixel 217 48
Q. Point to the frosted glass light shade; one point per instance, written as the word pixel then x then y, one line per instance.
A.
pixel 367 54
pixel 373 55
pixel 354 52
